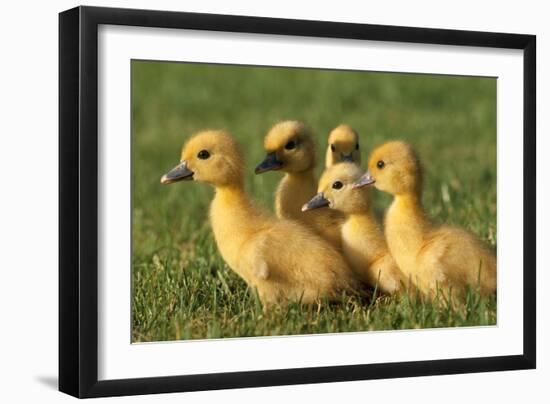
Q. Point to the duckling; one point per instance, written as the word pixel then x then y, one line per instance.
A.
pixel 282 259
pixel 435 257
pixel 290 148
pixel 363 241
pixel 343 145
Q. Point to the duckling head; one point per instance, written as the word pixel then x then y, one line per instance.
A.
pixel 343 145
pixel 290 148
pixel 337 192
pixel 211 156
pixel 394 168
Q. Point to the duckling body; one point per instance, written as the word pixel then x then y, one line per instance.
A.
pixel 290 148
pixel 441 259
pixel 437 257
pixel 270 254
pixel 280 258
pixel 363 242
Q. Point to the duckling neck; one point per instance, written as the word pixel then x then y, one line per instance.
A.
pixel 406 225
pixel 362 232
pixel 411 202
pixel 232 206
pixel 301 177
pixel 294 190
pixel 234 220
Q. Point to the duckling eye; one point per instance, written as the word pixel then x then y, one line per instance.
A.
pixel 380 164
pixel 290 145
pixel 356 146
pixel 332 148
pixel 337 185
pixel 203 154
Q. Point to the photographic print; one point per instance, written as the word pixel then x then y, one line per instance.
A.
pixel 273 201
pixel 249 201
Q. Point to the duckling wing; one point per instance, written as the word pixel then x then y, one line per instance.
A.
pixel 256 258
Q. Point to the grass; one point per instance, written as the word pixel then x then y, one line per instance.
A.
pixel 182 289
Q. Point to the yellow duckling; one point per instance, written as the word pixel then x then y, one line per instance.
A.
pixel 434 257
pixel 363 241
pixel 290 148
pixel 282 259
pixel 343 145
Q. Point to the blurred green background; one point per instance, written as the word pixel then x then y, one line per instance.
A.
pixel 182 288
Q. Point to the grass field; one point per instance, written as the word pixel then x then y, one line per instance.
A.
pixel 181 287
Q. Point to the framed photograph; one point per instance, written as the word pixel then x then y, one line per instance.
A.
pixel 251 201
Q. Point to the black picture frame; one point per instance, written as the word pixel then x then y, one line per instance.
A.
pixel 78 201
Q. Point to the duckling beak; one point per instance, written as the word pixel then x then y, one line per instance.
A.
pixel 347 157
pixel 270 163
pixel 178 173
pixel 366 179
pixel 318 201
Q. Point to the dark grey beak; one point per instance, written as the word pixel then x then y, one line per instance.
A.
pixel 270 163
pixel 178 173
pixel 366 179
pixel 347 157
pixel 318 201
